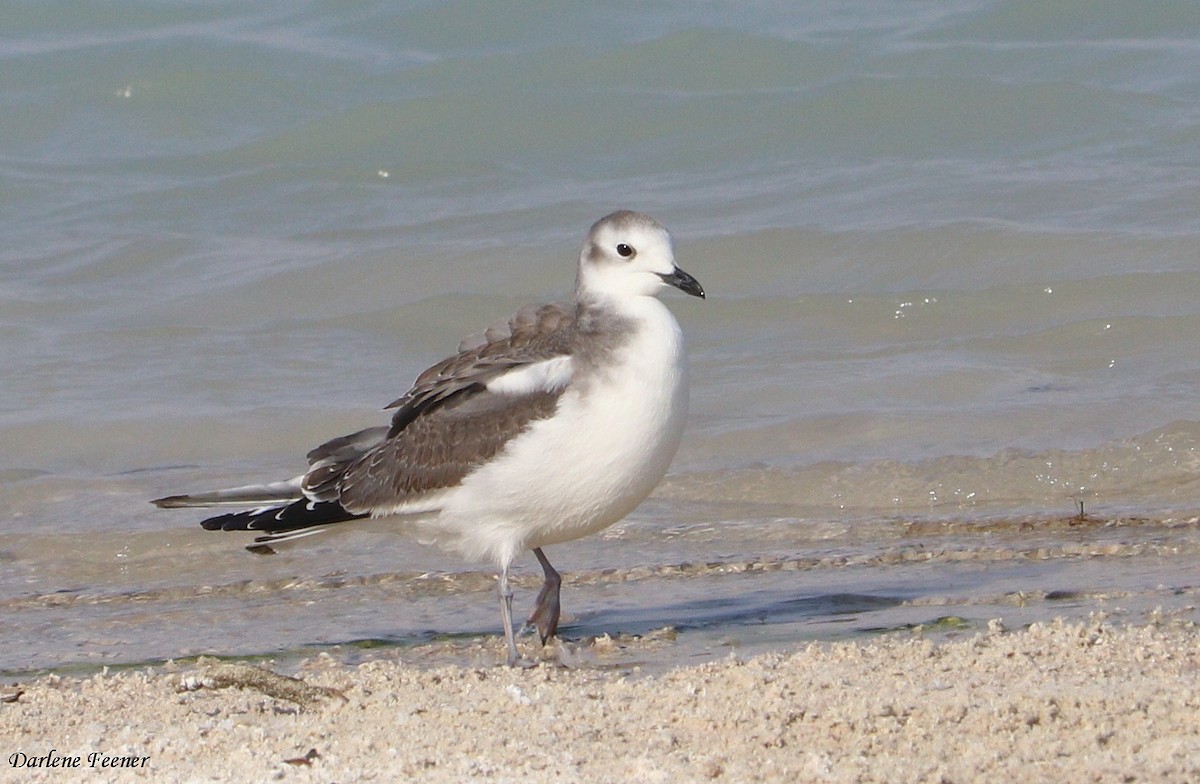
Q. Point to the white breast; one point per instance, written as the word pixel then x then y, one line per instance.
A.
pixel 607 446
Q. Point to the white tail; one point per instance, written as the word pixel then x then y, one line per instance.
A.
pixel 255 495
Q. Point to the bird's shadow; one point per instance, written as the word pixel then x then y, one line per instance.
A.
pixel 753 609
pixel 760 608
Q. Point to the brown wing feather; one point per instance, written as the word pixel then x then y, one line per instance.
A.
pixel 438 448
pixel 533 334
pixel 330 460
pixel 448 423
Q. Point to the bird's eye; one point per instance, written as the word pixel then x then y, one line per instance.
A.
pixel 624 251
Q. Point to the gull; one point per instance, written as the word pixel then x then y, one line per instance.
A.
pixel 545 428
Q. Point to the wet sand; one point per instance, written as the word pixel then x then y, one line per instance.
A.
pixel 752 587
pixel 1057 701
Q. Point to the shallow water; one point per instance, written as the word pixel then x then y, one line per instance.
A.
pixel 751 595
pixel 949 247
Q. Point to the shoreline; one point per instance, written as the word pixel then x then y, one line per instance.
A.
pixel 740 595
pixel 1058 700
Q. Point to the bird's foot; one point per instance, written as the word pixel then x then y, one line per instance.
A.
pixel 521 662
pixel 547 609
pixel 546 613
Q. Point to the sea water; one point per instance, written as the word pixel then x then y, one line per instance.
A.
pixel 951 251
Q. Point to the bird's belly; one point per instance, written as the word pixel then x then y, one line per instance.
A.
pixel 579 471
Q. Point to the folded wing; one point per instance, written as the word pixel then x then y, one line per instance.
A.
pixel 459 414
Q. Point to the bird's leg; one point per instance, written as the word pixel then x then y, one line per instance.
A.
pixel 506 598
pixel 546 611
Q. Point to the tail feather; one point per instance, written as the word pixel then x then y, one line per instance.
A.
pixel 260 495
pixel 281 512
pixel 266 544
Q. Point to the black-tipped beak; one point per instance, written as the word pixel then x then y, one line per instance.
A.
pixel 684 282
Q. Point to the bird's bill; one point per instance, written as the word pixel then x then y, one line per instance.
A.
pixel 684 282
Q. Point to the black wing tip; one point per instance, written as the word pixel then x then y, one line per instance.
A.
pixel 217 524
pixel 280 519
pixel 237 521
pixel 241 521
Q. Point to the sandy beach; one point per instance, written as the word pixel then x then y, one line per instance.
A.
pixel 1056 701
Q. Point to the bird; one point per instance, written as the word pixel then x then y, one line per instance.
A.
pixel 547 427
